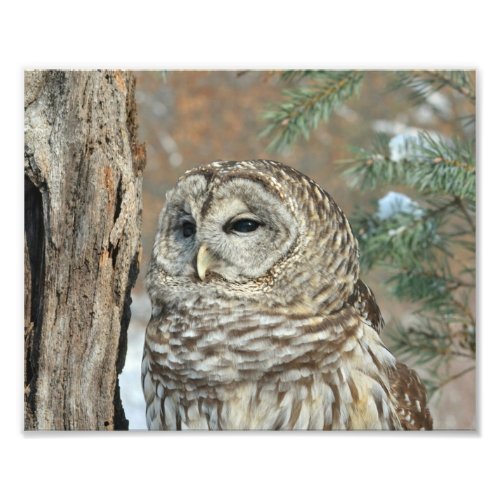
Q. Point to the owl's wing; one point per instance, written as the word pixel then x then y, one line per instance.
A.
pixel 363 300
pixel 410 395
pixel 406 386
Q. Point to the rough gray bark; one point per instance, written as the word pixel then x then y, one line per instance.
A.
pixel 83 188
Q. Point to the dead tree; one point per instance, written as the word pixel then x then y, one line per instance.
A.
pixel 83 190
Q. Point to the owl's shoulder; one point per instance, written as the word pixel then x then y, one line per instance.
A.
pixel 364 302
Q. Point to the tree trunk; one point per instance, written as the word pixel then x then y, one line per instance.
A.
pixel 83 188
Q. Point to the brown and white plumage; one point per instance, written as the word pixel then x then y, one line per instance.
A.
pixel 266 324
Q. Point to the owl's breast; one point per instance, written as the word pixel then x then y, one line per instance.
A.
pixel 240 370
pixel 314 403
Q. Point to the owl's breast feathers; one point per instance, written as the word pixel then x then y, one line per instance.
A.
pixel 214 366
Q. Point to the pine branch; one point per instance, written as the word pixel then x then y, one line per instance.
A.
pixel 306 106
pixel 438 381
pixel 455 376
pixel 421 343
pixel 429 165
pixel 404 241
pixel 430 287
pixel 457 80
pixel 294 76
pixel 466 213
pixel 422 84
pixel 427 341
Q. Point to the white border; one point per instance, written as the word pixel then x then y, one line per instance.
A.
pixel 257 35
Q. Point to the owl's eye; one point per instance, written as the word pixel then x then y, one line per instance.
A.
pixel 245 225
pixel 188 229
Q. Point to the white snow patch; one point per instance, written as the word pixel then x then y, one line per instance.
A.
pixel 404 145
pixel 130 378
pixel 440 102
pixel 394 203
pixel 393 127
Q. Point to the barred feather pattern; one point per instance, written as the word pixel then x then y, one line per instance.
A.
pixel 280 332
pixel 405 385
pixel 203 370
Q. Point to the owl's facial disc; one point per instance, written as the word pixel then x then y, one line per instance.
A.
pixel 235 230
pixel 243 229
pixel 241 225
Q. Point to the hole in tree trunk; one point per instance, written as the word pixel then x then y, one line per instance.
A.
pixel 34 233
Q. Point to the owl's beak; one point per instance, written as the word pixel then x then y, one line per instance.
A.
pixel 204 261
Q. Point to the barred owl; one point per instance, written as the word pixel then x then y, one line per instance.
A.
pixel 259 318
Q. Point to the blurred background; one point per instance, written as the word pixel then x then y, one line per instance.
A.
pixel 192 117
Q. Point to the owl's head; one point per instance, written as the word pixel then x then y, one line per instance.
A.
pixel 253 227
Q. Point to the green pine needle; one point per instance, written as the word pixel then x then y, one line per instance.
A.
pixel 305 107
pixel 422 84
pixel 431 166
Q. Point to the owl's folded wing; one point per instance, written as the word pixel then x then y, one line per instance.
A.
pixel 406 386
pixel 410 394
